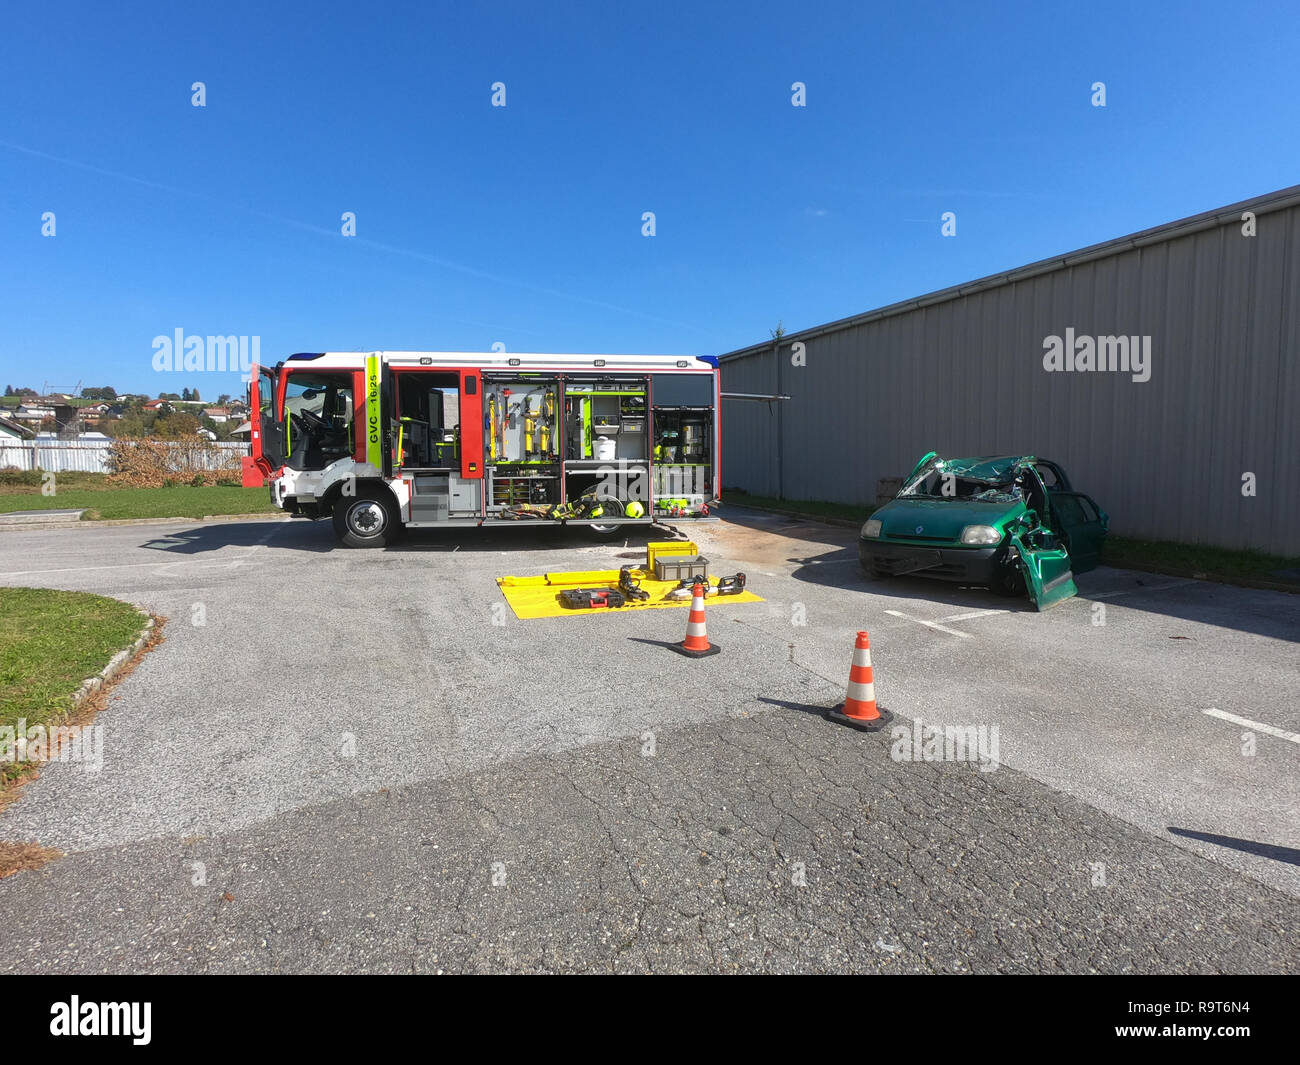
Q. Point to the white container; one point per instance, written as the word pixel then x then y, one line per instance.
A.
pixel 606 449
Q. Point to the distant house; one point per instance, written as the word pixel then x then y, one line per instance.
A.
pixel 217 414
pixel 12 430
pixel 31 412
pixel 154 404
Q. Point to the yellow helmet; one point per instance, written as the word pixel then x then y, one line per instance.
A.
pixel 634 509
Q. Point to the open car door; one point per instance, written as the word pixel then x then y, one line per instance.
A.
pixel 267 434
pixel 1082 528
pixel 1043 560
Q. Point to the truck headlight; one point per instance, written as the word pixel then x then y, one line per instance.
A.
pixel 980 534
pixel 871 531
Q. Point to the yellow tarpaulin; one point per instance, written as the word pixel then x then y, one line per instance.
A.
pixel 539 597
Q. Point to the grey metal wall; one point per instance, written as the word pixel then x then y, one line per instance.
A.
pixel 964 376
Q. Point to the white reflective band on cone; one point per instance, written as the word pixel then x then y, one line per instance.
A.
pixel 863 693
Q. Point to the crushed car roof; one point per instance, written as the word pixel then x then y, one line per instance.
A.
pixel 994 469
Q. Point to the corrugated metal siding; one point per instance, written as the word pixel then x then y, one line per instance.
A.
pixel 965 377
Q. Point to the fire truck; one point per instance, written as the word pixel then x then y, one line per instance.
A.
pixel 381 441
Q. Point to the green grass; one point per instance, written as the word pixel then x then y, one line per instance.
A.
pixel 115 503
pixel 848 511
pixel 1188 559
pixel 50 642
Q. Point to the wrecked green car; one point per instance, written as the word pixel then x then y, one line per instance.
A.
pixel 1012 523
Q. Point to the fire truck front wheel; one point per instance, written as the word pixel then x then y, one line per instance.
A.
pixel 367 519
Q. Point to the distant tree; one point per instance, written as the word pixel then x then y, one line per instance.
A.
pixel 106 394
pixel 25 392
pixel 222 399
pixel 135 422
pixel 194 394
pixel 9 390
pixel 168 395
pixel 172 426
pixel 185 394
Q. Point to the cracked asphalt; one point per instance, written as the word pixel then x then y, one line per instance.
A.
pixel 345 762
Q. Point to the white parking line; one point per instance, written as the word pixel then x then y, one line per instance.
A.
pixel 1245 722
pixel 253 549
pixel 974 614
pixel 931 624
pixel 1144 588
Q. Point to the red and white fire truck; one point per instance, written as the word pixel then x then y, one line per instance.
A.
pixel 382 440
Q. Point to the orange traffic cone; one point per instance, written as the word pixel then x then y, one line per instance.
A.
pixel 696 644
pixel 859 708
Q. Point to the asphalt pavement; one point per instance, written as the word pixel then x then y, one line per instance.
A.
pixel 361 761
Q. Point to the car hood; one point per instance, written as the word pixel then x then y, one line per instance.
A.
pixel 940 518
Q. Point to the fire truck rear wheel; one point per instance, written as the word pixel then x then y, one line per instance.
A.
pixel 367 519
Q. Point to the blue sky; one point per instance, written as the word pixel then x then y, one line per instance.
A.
pixel 522 225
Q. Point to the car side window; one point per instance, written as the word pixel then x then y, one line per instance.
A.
pixel 1070 510
pixel 1089 510
pixel 1050 481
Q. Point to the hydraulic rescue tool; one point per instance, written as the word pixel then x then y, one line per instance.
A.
pixel 586 598
pixel 630 586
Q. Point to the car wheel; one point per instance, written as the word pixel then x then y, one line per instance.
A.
pixel 367 519
pixel 1009 581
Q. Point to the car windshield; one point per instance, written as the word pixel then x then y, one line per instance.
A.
pixel 939 484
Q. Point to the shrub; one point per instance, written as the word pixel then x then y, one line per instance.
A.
pixel 145 463
pixel 14 476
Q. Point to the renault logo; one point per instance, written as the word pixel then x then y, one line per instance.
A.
pixel 920 529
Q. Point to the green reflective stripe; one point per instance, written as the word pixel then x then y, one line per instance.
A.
pixel 374 449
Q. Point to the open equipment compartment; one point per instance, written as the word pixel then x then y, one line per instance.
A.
pixel 426 435
pixel 522 444
pixel 607 442
pixel 684 444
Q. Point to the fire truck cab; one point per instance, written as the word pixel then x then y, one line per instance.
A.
pixel 384 440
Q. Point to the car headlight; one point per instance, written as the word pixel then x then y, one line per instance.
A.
pixel 871 531
pixel 980 534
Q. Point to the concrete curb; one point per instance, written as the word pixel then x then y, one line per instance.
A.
pixel 207 519
pixel 91 685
